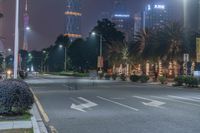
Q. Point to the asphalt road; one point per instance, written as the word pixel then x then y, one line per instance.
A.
pixel 87 106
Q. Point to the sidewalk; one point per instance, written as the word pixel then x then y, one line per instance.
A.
pixel 158 83
pixel 36 123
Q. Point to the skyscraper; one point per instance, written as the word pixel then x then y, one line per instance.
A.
pixel 191 14
pixel 73 19
pixel 156 14
pixel 26 26
pixel 123 19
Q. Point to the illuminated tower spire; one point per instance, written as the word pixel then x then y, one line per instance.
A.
pixel 26 26
pixel 73 19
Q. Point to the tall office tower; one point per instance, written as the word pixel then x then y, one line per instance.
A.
pixel 138 25
pixel 73 19
pixel 191 14
pixel 26 26
pixel 123 19
pixel 156 14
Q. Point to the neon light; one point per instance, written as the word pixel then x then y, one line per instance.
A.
pixel 159 6
pixel 122 15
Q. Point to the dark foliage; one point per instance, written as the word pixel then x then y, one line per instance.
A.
pixel 134 78
pixel 144 79
pixel 123 77
pixel 15 97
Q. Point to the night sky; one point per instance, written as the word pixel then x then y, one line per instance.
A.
pixel 47 19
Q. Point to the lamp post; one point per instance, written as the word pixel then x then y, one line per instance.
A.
pixel 100 58
pixel 65 62
pixel 16 47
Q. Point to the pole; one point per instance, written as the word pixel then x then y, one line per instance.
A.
pixel 101 40
pixel 16 50
pixel 65 59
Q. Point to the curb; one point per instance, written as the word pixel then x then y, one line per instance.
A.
pixel 38 124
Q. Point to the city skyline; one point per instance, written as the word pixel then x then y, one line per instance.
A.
pixel 40 23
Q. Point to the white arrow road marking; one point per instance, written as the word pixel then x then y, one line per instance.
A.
pixel 153 103
pixel 175 100
pixel 123 105
pixel 183 98
pixel 196 98
pixel 86 105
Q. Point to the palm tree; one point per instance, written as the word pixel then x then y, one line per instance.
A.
pixel 171 41
pixel 144 45
pixel 114 53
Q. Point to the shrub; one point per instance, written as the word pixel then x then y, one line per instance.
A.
pixel 15 97
pixel 191 81
pixel 23 74
pixel 114 76
pixel 107 76
pixel 162 80
pixel 144 79
pixel 101 75
pixel 179 80
pixel 134 78
pixel 123 77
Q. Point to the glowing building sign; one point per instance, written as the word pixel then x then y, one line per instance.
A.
pixel 122 15
pixel 159 6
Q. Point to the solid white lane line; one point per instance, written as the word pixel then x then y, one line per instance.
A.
pixel 117 103
pixel 174 100
pixel 183 98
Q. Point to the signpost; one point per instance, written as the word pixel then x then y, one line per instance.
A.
pixel 197 69
pixel 100 63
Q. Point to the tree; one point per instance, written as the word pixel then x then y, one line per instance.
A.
pixel 171 41
pixel 62 40
pixel 144 45
pixel 111 39
pixel 24 59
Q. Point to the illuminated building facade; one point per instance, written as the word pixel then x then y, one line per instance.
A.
pixel 137 23
pixel 155 15
pixel 73 19
pixel 123 19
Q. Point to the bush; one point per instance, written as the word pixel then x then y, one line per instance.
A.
pixel 15 97
pixel 23 74
pixel 144 79
pixel 162 80
pixel 179 81
pixel 101 75
pixel 114 76
pixel 107 77
pixel 134 78
pixel 191 81
pixel 123 77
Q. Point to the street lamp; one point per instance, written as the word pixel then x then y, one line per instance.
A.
pixel 28 28
pixel 16 49
pixel 100 58
pixel 65 63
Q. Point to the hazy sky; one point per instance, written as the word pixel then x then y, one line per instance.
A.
pixel 47 18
